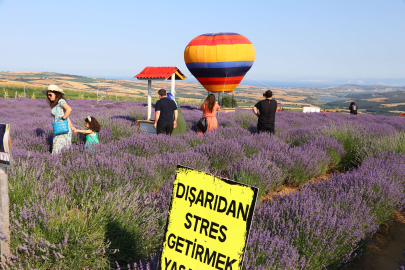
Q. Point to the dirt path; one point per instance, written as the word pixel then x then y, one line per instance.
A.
pixel 286 191
pixel 386 248
pixel 387 245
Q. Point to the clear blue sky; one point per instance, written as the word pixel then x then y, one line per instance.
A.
pixel 294 40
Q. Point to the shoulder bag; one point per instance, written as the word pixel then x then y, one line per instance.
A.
pixel 60 127
pixel 203 124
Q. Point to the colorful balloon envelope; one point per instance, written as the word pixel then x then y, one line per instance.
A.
pixel 219 61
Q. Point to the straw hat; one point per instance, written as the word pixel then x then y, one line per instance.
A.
pixel 53 88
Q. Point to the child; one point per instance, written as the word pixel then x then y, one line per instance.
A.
pixel 91 133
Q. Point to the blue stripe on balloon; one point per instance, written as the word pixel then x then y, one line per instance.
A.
pixel 220 64
pixel 219 72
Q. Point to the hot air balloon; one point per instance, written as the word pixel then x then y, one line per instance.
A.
pixel 219 61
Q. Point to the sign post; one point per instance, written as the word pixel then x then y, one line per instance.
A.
pixel 149 100
pixel 173 88
pixel 208 223
pixel 4 214
pixel 5 161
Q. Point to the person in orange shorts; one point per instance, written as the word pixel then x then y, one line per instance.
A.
pixel 210 108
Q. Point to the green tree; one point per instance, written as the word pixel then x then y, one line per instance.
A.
pixel 229 102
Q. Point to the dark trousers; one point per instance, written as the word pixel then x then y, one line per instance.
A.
pixel 164 129
pixel 265 128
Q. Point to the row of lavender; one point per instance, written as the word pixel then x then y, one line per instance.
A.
pixel 76 209
pixel 325 225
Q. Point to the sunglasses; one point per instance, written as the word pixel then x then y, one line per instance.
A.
pixel 49 95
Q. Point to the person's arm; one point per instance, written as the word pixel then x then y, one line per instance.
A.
pixel 255 107
pixel 275 105
pixel 176 114
pixel 85 131
pixel 254 110
pixel 68 110
pixel 157 115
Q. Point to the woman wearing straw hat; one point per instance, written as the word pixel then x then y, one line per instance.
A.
pixel 60 111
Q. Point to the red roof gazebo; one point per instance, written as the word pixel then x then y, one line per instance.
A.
pixel 159 74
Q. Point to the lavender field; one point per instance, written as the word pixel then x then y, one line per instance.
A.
pixel 107 208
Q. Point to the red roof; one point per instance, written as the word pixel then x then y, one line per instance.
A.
pixel 159 73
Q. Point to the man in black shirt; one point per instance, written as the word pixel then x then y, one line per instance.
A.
pixel 164 110
pixel 267 116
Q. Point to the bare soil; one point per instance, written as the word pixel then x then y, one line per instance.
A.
pixel 287 190
pixel 392 104
pixel 378 99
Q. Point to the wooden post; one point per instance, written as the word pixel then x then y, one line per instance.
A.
pixel 173 81
pixel 4 214
pixel 24 90
pixel 83 96
pixel 15 94
pixel 149 99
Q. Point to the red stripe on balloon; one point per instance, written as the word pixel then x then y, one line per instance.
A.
pixel 218 37
pixel 220 40
pixel 220 80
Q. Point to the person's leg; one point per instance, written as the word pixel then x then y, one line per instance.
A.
pixel 169 130
pixel 271 129
pixel 164 129
pixel 160 129
pixel 260 128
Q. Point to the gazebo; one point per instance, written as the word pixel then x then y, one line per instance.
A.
pixel 159 74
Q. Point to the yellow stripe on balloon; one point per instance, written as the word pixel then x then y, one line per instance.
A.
pixel 219 53
pixel 219 88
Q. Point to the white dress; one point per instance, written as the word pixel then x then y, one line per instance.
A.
pixel 62 140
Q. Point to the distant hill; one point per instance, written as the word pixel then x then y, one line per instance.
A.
pixel 376 99
pixel 387 103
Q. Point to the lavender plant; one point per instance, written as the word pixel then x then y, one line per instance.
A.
pixel 107 208
pixel 325 224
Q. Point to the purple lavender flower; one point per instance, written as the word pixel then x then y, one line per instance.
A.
pixel 85 209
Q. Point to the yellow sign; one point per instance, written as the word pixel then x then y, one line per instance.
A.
pixel 208 224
